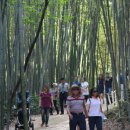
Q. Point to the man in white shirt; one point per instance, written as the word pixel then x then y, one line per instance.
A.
pixel 85 89
pixel 63 90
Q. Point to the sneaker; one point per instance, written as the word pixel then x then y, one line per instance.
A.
pixel 62 114
pixel 42 124
pixel 47 126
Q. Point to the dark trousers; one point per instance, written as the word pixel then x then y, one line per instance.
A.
pixel 107 99
pixel 63 98
pixel 45 115
pixel 95 121
pixel 56 106
pixel 78 120
pixel 51 111
pixel 86 97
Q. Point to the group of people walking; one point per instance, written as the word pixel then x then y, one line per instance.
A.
pixel 104 85
pixel 80 102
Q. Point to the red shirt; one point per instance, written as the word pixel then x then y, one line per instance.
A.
pixel 45 100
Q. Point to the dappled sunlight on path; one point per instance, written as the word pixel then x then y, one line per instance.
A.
pixel 57 122
pixel 61 122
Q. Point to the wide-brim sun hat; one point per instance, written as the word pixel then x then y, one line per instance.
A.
pixel 75 86
pixel 55 84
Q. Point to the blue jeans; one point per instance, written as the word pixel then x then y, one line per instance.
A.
pixel 78 119
pixel 95 121
pixel 108 90
pixel 45 115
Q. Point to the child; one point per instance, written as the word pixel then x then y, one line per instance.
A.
pixel 94 110
pixel 76 108
pixel 46 103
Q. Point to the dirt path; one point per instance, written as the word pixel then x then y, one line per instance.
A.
pixel 61 122
pixel 56 122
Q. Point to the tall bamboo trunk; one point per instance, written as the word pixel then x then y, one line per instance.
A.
pixel 21 50
pixel 1 72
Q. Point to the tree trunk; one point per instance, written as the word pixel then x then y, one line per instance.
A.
pixel 21 50
pixel 1 72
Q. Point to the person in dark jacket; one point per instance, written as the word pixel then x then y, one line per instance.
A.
pixel 100 85
pixel 108 84
pixel 108 88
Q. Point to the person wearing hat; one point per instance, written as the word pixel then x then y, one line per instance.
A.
pixel 94 110
pixel 76 81
pixel 76 108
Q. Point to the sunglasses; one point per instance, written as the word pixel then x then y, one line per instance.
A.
pixel 75 89
pixel 95 91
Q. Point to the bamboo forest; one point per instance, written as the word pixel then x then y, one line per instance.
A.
pixel 47 43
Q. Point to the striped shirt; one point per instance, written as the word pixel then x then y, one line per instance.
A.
pixel 75 105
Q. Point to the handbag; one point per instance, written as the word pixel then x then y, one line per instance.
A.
pixel 104 118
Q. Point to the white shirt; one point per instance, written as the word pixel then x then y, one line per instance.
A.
pixel 84 87
pixel 94 107
pixel 63 87
pixel 54 92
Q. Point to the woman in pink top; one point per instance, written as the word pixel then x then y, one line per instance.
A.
pixel 45 104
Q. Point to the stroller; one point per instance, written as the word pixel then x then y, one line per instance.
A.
pixel 20 121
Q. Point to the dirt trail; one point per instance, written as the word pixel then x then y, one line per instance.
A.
pixel 56 122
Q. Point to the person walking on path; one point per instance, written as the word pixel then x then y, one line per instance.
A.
pixel 100 85
pixel 94 110
pixel 63 90
pixel 108 88
pixel 108 83
pixel 55 94
pixel 46 102
pixel 84 88
pixel 76 108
